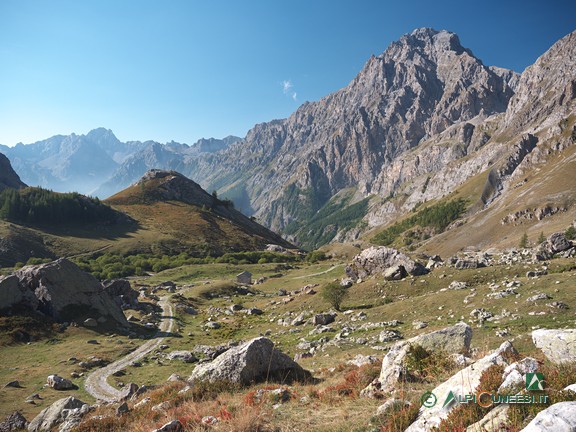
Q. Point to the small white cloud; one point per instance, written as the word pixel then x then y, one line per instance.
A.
pixel 287 88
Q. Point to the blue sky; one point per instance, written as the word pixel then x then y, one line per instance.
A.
pixel 185 69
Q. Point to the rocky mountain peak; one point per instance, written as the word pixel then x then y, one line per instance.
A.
pixel 429 42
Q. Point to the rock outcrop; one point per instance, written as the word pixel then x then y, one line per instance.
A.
pixel 560 417
pixel 66 412
pixel 464 382
pixel 13 422
pixel 57 289
pixel 383 261
pixel 559 346
pixel 450 340
pixel 253 361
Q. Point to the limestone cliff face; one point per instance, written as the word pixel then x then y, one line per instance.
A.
pixel 420 87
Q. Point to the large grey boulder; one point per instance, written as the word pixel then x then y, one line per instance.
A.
pixel 62 412
pixel 559 346
pixel 466 381
pixel 560 417
pixel 252 361
pixel 450 340
pixel 554 244
pixel 378 260
pixel 56 289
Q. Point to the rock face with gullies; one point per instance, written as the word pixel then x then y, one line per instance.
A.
pixel 450 340
pixel 466 381
pixel 419 87
pixel 560 417
pixel 8 177
pixel 559 346
pixel 66 412
pixel 379 260
pixel 57 289
pixel 253 361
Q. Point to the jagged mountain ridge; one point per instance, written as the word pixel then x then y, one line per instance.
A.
pixel 417 123
pixel 420 87
pixel 98 163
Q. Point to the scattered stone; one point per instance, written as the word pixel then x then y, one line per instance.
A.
pixel 14 384
pixel 299 320
pixel 128 391
pixel 252 361
pixel 212 325
pixel 389 336
pixel 463 264
pixel 418 325
pixel 323 319
pixel 558 417
pixel 92 342
pixel 173 426
pixel 456 285
pixel 185 356
pixel 58 383
pixel 558 305
pixel 210 420
pixel 13 422
pixel 559 346
pixel 254 311
pixel 67 412
pixel 142 402
pixel 236 307
pixel 162 406
pixel 361 360
pixel 481 315
pixel 536 297
pixel 122 409
pixel 174 378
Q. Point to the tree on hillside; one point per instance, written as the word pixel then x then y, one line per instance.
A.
pixel 334 293
pixel 523 241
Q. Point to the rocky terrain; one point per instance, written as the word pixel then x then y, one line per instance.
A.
pixel 274 356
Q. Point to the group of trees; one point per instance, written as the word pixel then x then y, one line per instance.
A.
pixel 436 217
pixel 42 206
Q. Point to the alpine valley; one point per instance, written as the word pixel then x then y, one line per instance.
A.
pixel 381 260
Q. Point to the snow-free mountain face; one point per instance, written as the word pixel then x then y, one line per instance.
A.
pixel 424 121
pixel 98 163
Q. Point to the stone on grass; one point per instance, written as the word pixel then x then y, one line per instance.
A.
pixel 252 361
pixel 173 426
pixel 59 383
pixel 559 346
pixel 185 356
pixel 395 273
pixel 323 319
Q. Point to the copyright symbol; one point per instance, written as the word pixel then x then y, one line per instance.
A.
pixel 428 399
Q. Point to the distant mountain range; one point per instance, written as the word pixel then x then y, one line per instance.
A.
pixel 98 163
pixel 424 122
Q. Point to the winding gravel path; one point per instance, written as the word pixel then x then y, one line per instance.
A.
pixel 318 274
pixel 97 382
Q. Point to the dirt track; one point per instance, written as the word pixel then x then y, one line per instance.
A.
pixel 97 382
